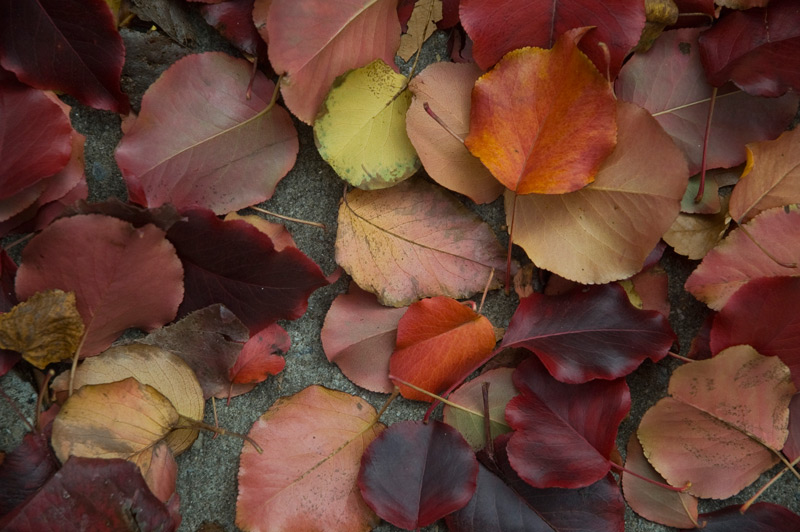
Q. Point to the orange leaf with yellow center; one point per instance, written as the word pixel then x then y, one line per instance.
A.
pixel 439 342
pixel 543 121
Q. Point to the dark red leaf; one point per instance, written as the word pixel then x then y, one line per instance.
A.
pixel 564 433
pixel 162 217
pixel 95 493
pixel 765 314
pixel 66 45
pixel 415 473
pixel 504 25
pixel 234 20
pixel 8 270
pixel 757 49
pixel 594 333
pixel 761 517
pixel 235 264
pixel 26 469
pixel 792 446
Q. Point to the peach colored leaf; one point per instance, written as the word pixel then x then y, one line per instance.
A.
pixel 306 477
pixel 722 427
pixel 314 41
pixel 652 502
pixel 359 336
pixel 150 365
pixel 439 343
pixel 605 231
pixel 694 235
pixel 162 474
pixel 201 141
pixel 415 240
pixel 447 88
pixel 46 328
pixel 737 259
pixel 122 276
pixel 543 120
pixel 771 177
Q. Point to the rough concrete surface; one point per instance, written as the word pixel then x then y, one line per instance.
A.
pixel 312 191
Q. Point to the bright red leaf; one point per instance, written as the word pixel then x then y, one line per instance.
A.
pixel 590 334
pixel 235 264
pixel 200 141
pixel 261 356
pixel 439 343
pixel 757 49
pixel 564 434
pixel 415 473
pixel 760 517
pixel 66 45
pixel 105 261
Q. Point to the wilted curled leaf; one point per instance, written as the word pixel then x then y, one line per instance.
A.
pixel 46 328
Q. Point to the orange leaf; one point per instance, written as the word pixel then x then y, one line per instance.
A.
pixel 439 342
pixel 543 121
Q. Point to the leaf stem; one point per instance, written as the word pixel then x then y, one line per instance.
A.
pixel 49 375
pixel 288 218
pixel 623 469
pixel 510 244
pixel 486 290
pixel 74 367
pixel 679 357
pixel 441 122
pixel 391 398
pixel 189 423
pixel 487 422
pixel 701 189
pixel 749 502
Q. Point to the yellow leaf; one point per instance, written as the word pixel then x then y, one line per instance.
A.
pixel 46 328
pixel 361 131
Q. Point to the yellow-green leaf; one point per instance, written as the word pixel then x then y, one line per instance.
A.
pixel 361 131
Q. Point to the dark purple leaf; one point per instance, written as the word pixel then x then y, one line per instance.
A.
pixel 761 517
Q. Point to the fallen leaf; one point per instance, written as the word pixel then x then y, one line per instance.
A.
pixel 723 424
pixel 162 474
pixel 359 336
pixel 162 217
pixel 669 82
pixel 280 236
pixel 447 89
pixel 439 343
pixel 414 240
pixel 234 20
pixel 651 287
pixel 737 259
pixel 469 418
pixel 360 130
pixel 415 473
pixel 420 26
pixel 605 231
pixel 607 339
pixel 261 356
pixel 756 49
pixel 25 470
pixel 792 446
pixel 543 121
pixel 149 365
pixel 306 477
pixel 315 41
pixel 760 517
pixel 46 328
pixel 76 49
pixel 658 15
pixel 499 27
pixel 200 141
pixel 694 235
pixel 564 434
pixel 235 264
pixel 105 261
pixel 771 177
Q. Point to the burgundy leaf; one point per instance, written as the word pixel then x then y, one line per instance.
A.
pixel 564 433
pixel 235 264
pixel 792 446
pixel 757 49
pixel 95 493
pixel 594 333
pixel 66 45
pixel 26 469
pixel 162 217
pixel 760 517
pixel 415 473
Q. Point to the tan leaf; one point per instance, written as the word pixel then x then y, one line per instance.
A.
pixel 694 235
pixel 421 25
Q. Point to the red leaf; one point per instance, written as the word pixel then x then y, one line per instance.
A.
pixel 66 45
pixel 590 334
pixel 261 356
pixel 757 49
pixel 792 446
pixel 199 141
pixel 122 276
pixel 8 271
pixel 415 473
pixel 504 25
pixel 761 517
pixel 235 264
pixel 564 433
pixel 764 314
pixel 99 494
pixel 234 20
pixel 26 469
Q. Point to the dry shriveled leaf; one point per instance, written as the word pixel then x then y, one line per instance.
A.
pixel 414 240
pixel 694 235
pixel 605 231
pixel 46 328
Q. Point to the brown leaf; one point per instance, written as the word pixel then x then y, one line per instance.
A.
pixel 694 235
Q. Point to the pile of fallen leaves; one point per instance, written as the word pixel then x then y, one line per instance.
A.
pixel 612 129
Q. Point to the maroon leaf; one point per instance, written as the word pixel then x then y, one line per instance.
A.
pixel 234 20
pixel 26 469
pixel 8 271
pixel 66 45
pixel 162 217
pixel 765 314
pixel 95 493
pixel 593 333
pixel 235 264
pixel 415 473
pixel 792 446
pixel 564 433
pixel 760 517
pixel 757 49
